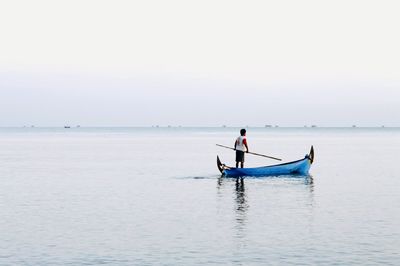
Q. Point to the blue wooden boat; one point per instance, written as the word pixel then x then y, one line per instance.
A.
pixel 297 168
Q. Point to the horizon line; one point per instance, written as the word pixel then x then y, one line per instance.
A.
pixel 199 126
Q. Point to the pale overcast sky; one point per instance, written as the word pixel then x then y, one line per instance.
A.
pixel 142 63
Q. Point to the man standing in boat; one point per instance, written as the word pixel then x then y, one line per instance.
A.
pixel 240 144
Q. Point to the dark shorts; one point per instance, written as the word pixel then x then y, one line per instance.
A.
pixel 240 156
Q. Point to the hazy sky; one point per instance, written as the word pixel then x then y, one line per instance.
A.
pixel 139 63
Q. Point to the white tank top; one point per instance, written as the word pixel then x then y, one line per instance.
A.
pixel 239 143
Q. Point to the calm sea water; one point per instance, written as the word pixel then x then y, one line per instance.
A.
pixel 154 196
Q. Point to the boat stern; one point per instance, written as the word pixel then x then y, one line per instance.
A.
pixel 310 156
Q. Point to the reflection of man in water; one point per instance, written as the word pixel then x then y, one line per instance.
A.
pixel 240 195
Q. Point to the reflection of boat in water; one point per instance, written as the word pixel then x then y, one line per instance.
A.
pixel 299 167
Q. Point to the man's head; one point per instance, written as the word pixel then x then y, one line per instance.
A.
pixel 243 132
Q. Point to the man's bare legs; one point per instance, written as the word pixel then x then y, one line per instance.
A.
pixel 241 164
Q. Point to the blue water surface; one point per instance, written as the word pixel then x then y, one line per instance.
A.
pixel 154 196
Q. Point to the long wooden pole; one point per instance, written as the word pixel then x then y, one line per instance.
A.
pixel 258 154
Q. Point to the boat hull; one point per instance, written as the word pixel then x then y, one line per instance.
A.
pixel 295 168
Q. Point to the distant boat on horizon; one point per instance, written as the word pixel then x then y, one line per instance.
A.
pixel 67 127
